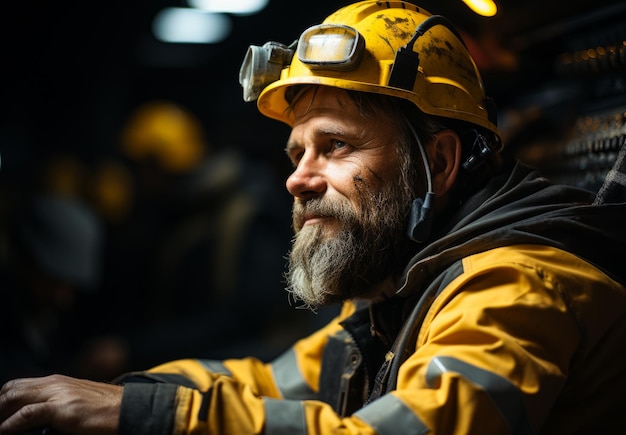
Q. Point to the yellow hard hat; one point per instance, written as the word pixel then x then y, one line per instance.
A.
pixel 166 132
pixel 393 48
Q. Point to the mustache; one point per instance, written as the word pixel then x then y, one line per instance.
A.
pixel 321 207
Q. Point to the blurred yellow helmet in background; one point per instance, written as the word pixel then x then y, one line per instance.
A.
pixel 166 133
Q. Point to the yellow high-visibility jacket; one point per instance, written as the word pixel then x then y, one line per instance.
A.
pixel 486 336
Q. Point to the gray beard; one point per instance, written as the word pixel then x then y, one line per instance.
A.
pixel 325 269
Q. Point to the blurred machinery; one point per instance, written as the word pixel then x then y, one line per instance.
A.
pixel 569 117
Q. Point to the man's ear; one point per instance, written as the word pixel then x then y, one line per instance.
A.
pixel 444 155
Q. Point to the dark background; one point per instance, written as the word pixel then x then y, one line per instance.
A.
pixel 72 71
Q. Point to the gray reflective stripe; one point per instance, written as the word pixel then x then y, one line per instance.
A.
pixel 388 415
pixel 504 394
pixel 215 366
pixel 289 379
pixel 284 417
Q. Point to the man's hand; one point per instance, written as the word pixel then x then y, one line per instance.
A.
pixel 68 405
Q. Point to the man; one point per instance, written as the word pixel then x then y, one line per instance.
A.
pixel 500 311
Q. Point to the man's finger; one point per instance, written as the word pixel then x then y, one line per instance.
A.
pixel 26 418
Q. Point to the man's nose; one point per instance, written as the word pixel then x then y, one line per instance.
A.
pixel 307 179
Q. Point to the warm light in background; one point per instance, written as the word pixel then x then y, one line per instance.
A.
pixel 190 25
pixel 486 8
pixel 237 7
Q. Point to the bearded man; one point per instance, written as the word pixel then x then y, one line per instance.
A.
pixel 474 297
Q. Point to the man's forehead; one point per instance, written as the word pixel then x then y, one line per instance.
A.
pixel 321 98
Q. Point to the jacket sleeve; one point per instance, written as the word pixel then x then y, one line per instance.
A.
pixel 210 396
pixel 498 344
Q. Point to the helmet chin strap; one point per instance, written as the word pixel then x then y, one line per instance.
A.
pixel 403 74
pixel 421 217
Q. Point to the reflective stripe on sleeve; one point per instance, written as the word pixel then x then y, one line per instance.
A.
pixel 388 415
pixel 503 393
pixel 215 366
pixel 284 417
pixel 289 379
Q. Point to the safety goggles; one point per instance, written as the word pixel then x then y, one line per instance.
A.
pixel 325 46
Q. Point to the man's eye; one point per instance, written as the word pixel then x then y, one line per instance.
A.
pixel 338 144
pixel 296 157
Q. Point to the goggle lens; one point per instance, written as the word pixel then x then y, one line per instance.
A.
pixel 327 46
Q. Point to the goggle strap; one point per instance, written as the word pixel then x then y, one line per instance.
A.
pixel 406 62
